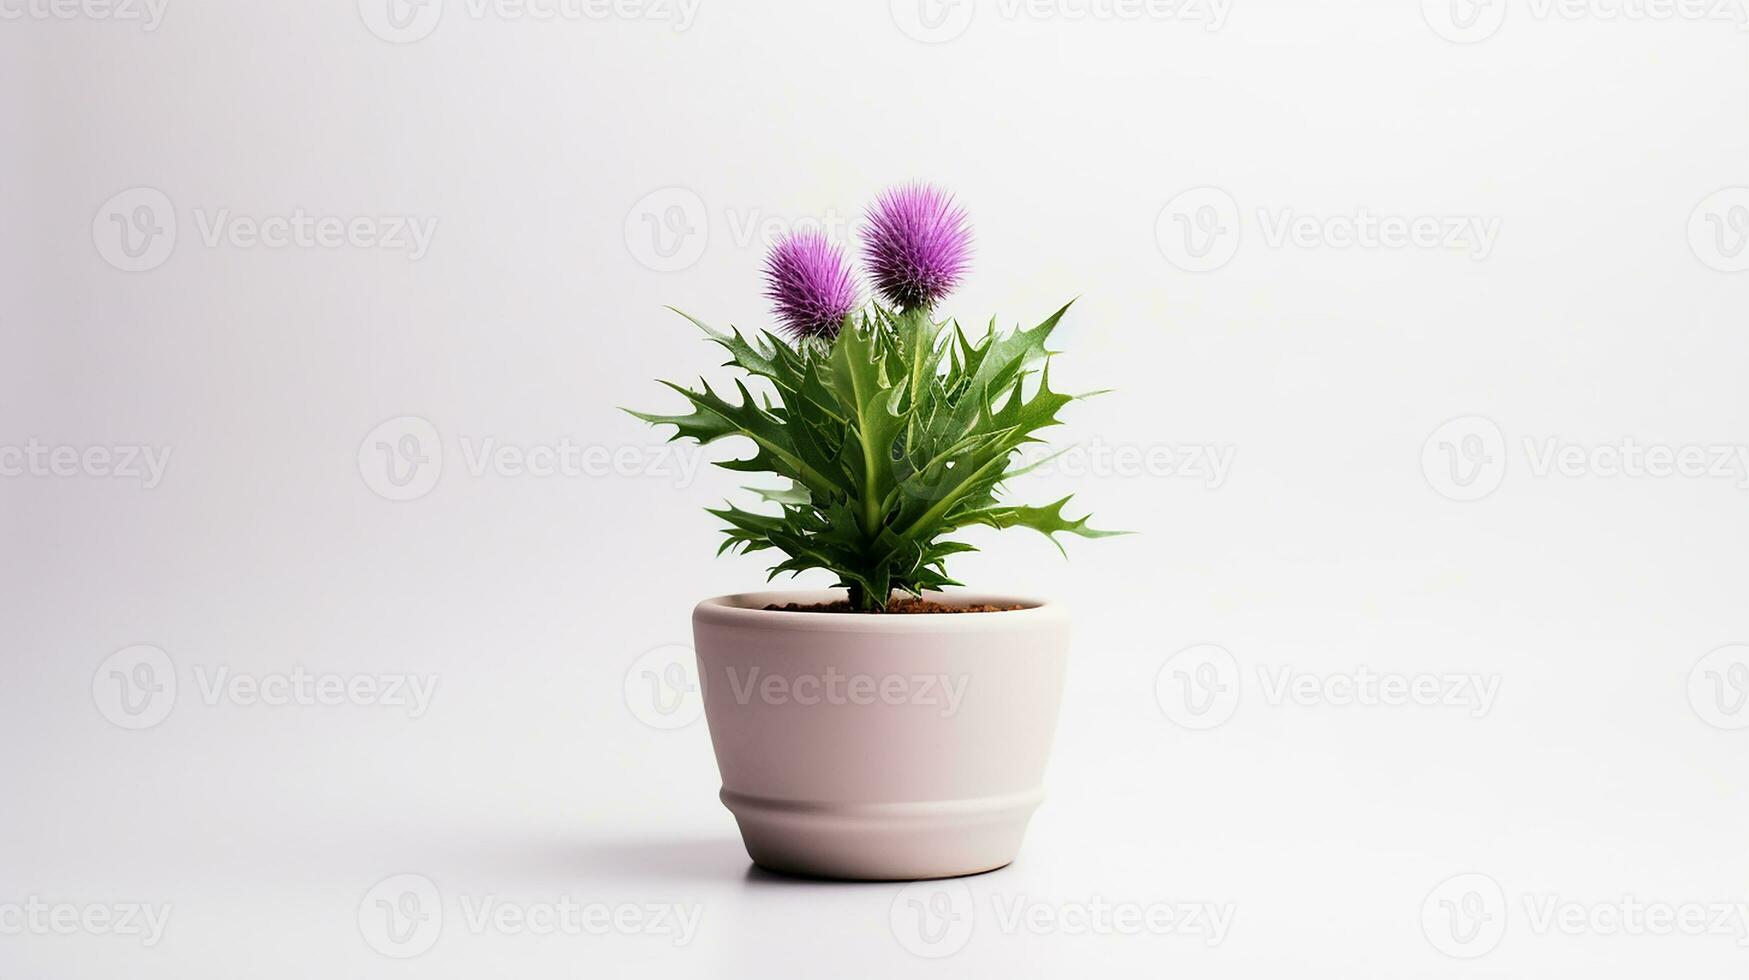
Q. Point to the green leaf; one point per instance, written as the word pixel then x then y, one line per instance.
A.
pixel 888 438
pixel 1047 520
pixel 713 418
pixel 795 495
pixel 859 379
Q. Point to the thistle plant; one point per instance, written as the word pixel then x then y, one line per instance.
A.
pixel 891 429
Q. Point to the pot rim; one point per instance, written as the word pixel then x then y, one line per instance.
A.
pixel 747 609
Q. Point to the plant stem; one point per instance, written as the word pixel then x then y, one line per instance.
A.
pixel 918 335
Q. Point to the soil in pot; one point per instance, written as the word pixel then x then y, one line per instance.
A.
pixel 903 606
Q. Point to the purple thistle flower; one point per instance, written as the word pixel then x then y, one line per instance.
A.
pixel 809 281
pixel 917 244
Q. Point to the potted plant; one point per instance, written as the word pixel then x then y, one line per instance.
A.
pixel 884 729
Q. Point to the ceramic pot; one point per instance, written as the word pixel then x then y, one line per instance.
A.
pixel 880 747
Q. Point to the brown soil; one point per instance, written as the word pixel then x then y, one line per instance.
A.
pixel 901 606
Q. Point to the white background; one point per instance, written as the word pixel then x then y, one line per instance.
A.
pixel 1598 773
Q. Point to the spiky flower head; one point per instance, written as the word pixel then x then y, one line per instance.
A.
pixel 917 243
pixel 808 280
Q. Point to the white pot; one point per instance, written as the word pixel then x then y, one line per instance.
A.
pixel 880 746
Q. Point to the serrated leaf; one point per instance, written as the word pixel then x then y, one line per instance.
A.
pixel 1047 520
